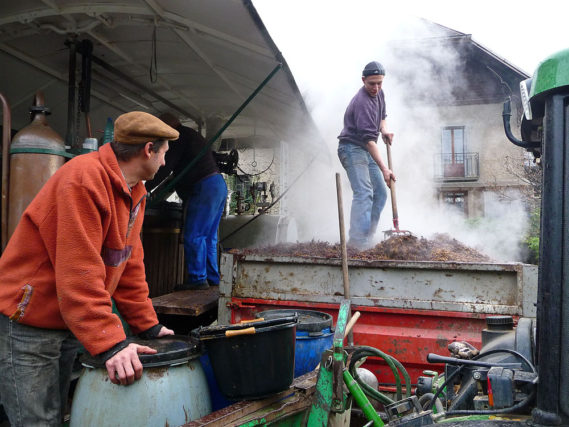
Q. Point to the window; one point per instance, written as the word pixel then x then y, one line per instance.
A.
pixel 453 140
pixel 453 151
pixel 456 199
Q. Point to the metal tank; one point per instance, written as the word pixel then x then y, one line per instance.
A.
pixel 37 151
pixel 172 391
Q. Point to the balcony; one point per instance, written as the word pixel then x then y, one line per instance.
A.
pixel 456 167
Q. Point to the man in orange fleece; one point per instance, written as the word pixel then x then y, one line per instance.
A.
pixel 76 246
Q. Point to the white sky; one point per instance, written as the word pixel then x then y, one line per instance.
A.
pixel 521 31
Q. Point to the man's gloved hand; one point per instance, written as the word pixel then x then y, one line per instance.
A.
pixel 156 331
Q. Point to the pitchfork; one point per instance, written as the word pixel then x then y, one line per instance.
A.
pixel 396 231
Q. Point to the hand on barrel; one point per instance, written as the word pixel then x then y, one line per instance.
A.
pixel 125 367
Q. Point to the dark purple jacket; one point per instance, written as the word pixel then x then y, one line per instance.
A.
pixel 363 118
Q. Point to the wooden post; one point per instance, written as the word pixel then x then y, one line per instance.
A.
pixel 346 278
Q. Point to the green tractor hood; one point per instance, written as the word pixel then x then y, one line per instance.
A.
pixel 552 73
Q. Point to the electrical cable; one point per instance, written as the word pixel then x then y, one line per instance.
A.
pixel 511 409
pixel 520 405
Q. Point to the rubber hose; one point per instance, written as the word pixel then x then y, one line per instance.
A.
pixel 507 350
pixel 398 364
pixel 442 387
pixel 438 404
pixel 364 352
pixel 373 393
pixel 393 363
pixel 482 412
pixel 517 406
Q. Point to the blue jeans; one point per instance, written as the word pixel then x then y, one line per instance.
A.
pixel 370 192
pixel 204 209
pixel 35 372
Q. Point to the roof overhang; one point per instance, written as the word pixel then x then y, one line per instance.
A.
pixel 199 59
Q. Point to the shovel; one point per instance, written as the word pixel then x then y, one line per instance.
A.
pixel 396 230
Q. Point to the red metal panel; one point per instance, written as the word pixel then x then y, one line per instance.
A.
pixel 408 335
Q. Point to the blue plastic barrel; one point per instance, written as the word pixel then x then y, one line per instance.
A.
pixel 218 400
pixel 314 335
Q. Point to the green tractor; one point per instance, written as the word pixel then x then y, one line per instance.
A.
pixel 545 132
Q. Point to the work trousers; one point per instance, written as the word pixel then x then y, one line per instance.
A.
pixel 205 204
pixel 35 372
pixel 370 193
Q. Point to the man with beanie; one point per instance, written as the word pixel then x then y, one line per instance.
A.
pixel 364 121
pixel 203 191
pixel 76 246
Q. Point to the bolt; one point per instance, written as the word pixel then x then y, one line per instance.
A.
pixel 476 375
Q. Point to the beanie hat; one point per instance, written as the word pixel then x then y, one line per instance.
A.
pixel 374 68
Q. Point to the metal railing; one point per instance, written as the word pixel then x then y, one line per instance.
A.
pixel 456 167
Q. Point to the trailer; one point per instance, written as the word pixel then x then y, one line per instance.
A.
pixel 408 308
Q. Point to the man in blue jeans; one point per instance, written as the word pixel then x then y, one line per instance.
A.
pixel 364 121
pixel 203 191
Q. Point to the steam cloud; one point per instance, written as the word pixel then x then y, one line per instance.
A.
pixel 326 61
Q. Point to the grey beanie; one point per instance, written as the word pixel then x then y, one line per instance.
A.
pixel 374 68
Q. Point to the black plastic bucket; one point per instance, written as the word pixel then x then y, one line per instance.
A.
pixel 251 360
pixel 314 335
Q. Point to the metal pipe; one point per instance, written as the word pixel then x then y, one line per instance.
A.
pixel 361 400
pixel 87 49
pixel 506 114
pixel 174 181
pixel 140 86
pixel 6 137
pixel 71 134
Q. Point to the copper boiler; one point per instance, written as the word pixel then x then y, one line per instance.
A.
pixel 36 152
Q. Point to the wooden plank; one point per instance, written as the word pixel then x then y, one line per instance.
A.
pixel 187 303
pixel 295 399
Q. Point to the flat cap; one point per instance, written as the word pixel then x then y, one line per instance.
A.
pixel 138 127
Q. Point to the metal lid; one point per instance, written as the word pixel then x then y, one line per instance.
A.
pixel 171 350
pixel 308 320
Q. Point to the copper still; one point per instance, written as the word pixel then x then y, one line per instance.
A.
pixel 37 151
pixel 6 136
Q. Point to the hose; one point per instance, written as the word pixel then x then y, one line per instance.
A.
pixel 443 386
pixel 363 352
pixel 438 404
pixel 394 365
pixel 511 409
pixel 520 405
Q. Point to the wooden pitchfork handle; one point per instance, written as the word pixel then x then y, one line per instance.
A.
pixel 392 189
